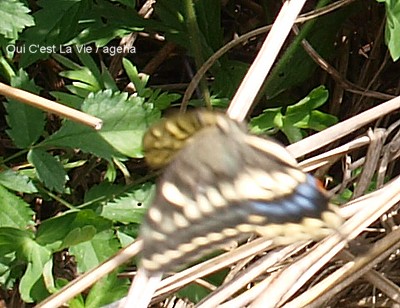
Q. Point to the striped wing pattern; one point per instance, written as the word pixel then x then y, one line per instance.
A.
pixel 224 184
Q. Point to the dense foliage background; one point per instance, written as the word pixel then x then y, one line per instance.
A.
pixel 70 197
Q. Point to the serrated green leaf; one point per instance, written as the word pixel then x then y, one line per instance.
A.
pixel 14 212
pixel 91 253
pixel 62 231
pixel 81 137
pixel 131 206
pixel 49 170
pixel 14 18
pixel 26 122
pixel 124 123
pixel 16 181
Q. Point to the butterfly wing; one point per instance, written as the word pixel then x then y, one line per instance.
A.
pixel 222 185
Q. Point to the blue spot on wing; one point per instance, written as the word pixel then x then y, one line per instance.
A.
pixel 306 201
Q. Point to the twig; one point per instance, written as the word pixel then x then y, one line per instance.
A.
pixel 50 106
pixel 83 282
pixel 342 129
pixel 252 82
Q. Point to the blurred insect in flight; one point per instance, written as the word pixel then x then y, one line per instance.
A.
pixel 220 183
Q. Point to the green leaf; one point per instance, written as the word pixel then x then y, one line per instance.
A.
pixel 171 15
pixel 57 22
pixel 319 120
pixel 138 82
pixel 77 302
pixel 209 20
pixel 109 21
pixel 49 170
pixel 126 239
pixel 103 191
pixel 316 98
pixel 81 137
pixel 26 122
pixel 299 113
pixel 392 31
pixel 269 119
pixel 11 239
pixel 107 290
pixel 293 133
pixel 297 117
pixel 303 116
pixel 124 123
pixel 91 253
pixel 295 66
pixel 194 292
pixel 111 172
pixel 228 77
pixel 163 101
pixel 70 229
pixel 88 77
pixel 14 18
pixel 131 206
pixel 37 258
pixel 14 212
pixel 67 99
pixel 16 181
pixel 27 251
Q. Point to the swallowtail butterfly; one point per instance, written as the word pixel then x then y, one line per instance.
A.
pixel 221 183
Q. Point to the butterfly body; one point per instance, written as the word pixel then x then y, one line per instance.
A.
pixel 224 184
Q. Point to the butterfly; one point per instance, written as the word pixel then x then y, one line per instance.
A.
pixel 221 183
